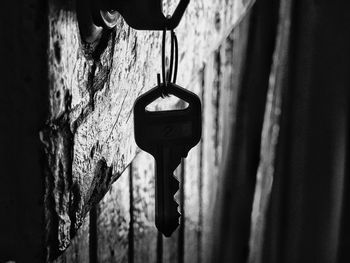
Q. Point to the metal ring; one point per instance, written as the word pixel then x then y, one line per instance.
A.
pixel 174 41
pixel 167 76
pixel 163 58
pixel 171 64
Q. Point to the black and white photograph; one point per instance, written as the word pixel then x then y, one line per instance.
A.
pixel 175 131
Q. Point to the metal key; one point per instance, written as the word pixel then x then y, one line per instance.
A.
pixel 168 136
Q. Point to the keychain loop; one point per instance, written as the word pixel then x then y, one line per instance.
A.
pixel 163 57
pixel 174 40
pixel 168 74
pixel 171 64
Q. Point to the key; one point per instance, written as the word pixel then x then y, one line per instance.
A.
pixel 168 136
pixel 167 214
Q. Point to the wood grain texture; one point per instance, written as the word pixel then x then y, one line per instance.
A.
pixel 78 252
pixel 113 219
pixel 144 230
pixel 217 85
pixel 171 247
pixel 210 151
pixel 270 138
pixel 192 206
pixel 192 196
pixel 88 137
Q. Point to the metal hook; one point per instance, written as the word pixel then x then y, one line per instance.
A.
pixel 94 16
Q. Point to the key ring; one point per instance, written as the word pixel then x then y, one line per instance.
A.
pixel 166 76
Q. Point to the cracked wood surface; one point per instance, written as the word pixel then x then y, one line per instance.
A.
pixel 89 134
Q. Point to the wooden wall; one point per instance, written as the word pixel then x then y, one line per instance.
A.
pixel 88 136
pixel 67 134
pixel 121 227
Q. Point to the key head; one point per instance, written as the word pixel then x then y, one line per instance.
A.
pixel 173 127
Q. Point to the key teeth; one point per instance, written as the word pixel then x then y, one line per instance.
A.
pixel 175 216
pixel 170 224
pixel 175 185
pixel 177 197
pixel 174 222
pixel 176 194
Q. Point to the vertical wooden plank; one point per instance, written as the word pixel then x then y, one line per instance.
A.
pixel 170 247
pixel 78 251
pixel 211 147
pixel 192 195
pixel 145 232
pixel 172 244
pixel 181 241
pixel 192 205
pixel 113 218
pixel 208 146
pixel 216 84
pixel 131 213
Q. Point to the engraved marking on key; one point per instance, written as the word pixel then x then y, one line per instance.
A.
pixel 168 130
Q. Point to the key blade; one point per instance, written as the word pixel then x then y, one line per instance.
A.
pixel 167 215
pixel 167 221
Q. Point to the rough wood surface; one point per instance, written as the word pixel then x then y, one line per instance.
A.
pixel 113 220
pixel 88 137
pixel 219 99
pixel 270 135
pixel 192 197
pixel 144 230
pixel 210 149
pixel 171 247
pixel 78 252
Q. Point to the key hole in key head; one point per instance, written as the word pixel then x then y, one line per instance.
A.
pixel 170 102
pixel 169 6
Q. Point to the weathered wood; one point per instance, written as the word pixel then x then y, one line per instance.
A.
pixel 171 245
pixel 307 218
pixel 88 137
pixel 78 252
pixel 144 230
pixel 251 46
pixel 192 206
pixel 192 196
pixel 218 86
pixel 113 219
pixel 210 148
pixel 269 136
